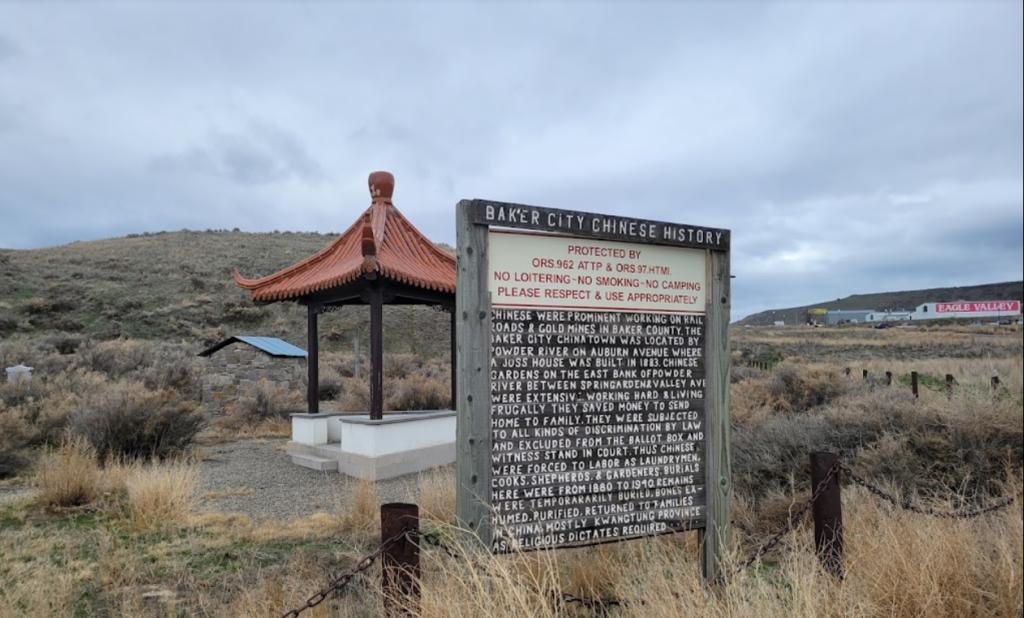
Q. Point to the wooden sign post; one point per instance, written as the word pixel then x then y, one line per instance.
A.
pixel 593 392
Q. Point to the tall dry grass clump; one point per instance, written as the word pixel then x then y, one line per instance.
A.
pixel 161 494
pixel 360 515
pixel 437 500
pixel 69 476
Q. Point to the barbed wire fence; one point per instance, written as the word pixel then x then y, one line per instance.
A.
pixel 433 540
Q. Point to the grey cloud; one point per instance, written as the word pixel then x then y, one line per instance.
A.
pixel 8 48
pixel 264 154
pixel 989 238
pixel 851 147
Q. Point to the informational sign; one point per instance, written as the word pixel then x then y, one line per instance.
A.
pixel 593 377
pixel 597 389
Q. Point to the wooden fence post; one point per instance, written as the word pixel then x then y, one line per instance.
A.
pixel 914 384
pixel 828 513
pixel 949 384
pixel 401 562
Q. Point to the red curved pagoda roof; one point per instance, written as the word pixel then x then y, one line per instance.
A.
pixel 382 240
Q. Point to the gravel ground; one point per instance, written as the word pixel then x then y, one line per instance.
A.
pixel 16 493
pixel 257 478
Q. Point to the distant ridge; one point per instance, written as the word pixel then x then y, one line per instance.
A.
pixel 1013 290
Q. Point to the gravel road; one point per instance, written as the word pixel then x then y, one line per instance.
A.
pixel 258 478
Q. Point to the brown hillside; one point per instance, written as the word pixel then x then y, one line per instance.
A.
pixel 178 286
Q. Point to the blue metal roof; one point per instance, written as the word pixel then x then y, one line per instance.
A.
pixel 270 345
pixel 273 346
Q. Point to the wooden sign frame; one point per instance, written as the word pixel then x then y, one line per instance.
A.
pixel 473 343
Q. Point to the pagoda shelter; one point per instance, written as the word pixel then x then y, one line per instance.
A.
pixel 381 259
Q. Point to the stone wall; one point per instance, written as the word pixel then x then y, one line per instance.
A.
pixel 234 369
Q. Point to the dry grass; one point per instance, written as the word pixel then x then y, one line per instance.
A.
pixel 437 496
pixel 897 567
pixel 69 476
pixel 161 495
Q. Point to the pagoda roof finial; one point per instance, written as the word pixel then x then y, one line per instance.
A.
pixel 382 186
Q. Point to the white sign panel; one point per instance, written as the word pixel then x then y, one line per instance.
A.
pixel 557 272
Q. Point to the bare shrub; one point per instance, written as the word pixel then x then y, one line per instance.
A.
pixel 357 395
pixel 118 358
pixel 130 421
pixel 175 372
pixel 767 457
pixel 439 368
pixel 344 364
pixel 70 476
pixel 400 365
pixel 13 395
pixel 37 306
pixel 960 446
pixel 12 464
pixel 14 437
pixel 796 389
pixel 264 400
pixel 8 326
pixel 161 494
pixel 331 385
pixel 417 393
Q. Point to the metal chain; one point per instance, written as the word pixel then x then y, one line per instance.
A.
pixel 786 529
pixel 903 504
pixel 342 580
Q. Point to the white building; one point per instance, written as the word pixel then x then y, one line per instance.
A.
pixel 999 309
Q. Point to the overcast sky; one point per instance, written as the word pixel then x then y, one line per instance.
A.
pixel 851 147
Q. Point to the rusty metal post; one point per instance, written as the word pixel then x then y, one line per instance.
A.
pixel 888 378
pixel 949 384
pixel 828 513
pixel 914 384
pixel 401 562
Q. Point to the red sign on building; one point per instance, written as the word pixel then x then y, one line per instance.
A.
pixel 1010 306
